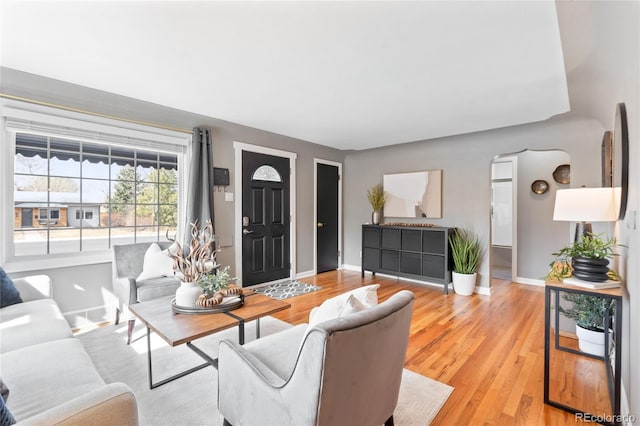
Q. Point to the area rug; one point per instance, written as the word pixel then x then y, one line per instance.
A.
pixel 192 400
pixel 287 289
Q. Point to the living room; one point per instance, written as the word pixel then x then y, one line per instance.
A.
pixel 600 49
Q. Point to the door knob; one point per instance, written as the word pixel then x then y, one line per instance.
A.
pixel 246 231
pixel 320 224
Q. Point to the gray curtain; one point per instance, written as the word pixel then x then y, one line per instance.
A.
pixel 200 186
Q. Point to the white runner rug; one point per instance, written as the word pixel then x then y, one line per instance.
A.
pixel 192 400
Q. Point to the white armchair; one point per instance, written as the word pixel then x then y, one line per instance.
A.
pixel 346 371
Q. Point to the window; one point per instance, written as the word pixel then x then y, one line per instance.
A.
pixel 266 173
pixel 135 190
pixel 84 214
pixel 77 191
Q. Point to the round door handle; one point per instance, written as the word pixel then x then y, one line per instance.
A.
pixel 246 231
pixel 320 224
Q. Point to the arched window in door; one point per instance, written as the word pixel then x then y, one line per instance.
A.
pixel 266 173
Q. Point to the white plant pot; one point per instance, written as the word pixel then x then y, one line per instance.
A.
pixel 187 294
pixel 591 342
pixel 464 284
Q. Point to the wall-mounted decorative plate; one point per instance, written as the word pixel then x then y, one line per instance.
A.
pixel 540 186
pixel 562 174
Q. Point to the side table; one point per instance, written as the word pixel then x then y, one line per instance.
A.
pixel 613 372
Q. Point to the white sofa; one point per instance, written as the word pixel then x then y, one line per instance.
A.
pixel 50 377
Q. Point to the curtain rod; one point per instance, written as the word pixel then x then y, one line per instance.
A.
pixel 96 114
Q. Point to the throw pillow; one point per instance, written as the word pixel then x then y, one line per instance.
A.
pixel 9 294
pixel 330 308
pixel 352 306
pixel 157 263
pixel 6 418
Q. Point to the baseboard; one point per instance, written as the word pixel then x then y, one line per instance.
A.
pixel 351 267
pixel 486 291
pixel 305 274
pixel 529 281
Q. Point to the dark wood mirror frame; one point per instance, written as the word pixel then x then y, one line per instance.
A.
pixel 621 156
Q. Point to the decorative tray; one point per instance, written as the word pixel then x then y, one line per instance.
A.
pixel 197 310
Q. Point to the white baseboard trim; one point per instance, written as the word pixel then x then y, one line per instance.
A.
pixel 351 267
pixel 305 274
pixel 529 281
pixel 483 290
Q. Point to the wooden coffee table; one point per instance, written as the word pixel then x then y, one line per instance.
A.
pixel 178 329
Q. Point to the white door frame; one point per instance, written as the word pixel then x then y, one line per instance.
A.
pixel 317 161
pixel 239 147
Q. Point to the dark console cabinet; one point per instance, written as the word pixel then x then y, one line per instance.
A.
pixel 412 252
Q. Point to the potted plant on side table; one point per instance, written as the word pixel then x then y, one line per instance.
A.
pixel 590 315
pixel 466 252
pixel 586 259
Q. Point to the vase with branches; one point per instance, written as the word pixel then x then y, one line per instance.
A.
pixel 192 262
pixel 377 197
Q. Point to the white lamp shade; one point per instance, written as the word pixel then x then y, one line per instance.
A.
pixel 587 204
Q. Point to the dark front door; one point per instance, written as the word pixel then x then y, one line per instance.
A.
pixel 327 214
pixel 27 217
pixel 265 218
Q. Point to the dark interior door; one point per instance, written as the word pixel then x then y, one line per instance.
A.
pixel 265 218
pixel 327 214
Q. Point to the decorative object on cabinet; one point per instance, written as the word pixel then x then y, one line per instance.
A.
pixel 377 197
pixel 466 252
pixel 540 186
pixel 586 205
pixel 412 252
pixel 414 194
pixel 612 354
pixel 607 159
pixel 562 174
pixel 621 157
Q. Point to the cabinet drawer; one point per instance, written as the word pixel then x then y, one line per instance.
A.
pixel 433 266
pixel 371 259
pixel 371 237
pixel 391 239
pixel 410 263
pixel 434 242
pixel 390 260
pixel 411 240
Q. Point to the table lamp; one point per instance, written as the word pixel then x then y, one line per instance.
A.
pixel 586 205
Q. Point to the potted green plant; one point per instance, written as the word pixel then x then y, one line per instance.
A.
pixel 590 315
pixel 212 283
pixel 466 251
pixel 377 197
pixel 586 259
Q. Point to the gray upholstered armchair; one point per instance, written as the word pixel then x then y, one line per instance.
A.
pixel 345 371
pixel 127 265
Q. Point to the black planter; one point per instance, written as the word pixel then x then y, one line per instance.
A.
pixel 594 270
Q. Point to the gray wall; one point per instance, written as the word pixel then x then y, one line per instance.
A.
pixel 85 287
pixel 466 180
pixel 537 231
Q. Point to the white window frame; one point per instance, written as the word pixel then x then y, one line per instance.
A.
pixel 19 116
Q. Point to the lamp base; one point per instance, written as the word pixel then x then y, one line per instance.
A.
pixel 582 228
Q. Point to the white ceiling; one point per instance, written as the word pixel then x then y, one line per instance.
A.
pixel 351 75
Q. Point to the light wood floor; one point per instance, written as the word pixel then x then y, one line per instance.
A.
pixel 489 348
